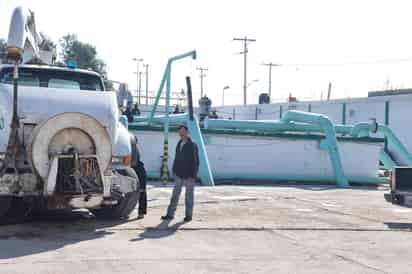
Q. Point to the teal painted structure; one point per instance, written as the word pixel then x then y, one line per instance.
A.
pixel 167 80
pixel 291 121
pixel 296 121
pixel 299 121
pixel 205 173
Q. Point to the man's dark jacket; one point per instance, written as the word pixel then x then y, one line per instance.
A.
pixel 186 162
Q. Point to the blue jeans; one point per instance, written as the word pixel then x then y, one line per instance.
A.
pixel 189 183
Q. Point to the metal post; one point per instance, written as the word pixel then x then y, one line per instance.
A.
pixel 329 90
pixel 189 98
pixel 14 144
pixel 205 173
pixel 165 158
pixel 245 74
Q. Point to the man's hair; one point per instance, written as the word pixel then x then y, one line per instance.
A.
pixel 183 126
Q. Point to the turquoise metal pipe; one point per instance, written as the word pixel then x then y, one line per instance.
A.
pixel 386 159
pixel 159 92
pixel 166 80
pixel 258 125
pixel 396 144
pixel 330 142
pixel 192 54
pixel 205 173
pixel 161 119
pixel 270 126
pixel 363 129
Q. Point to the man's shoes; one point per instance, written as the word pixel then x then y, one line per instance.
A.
pixel 140 216
pixel 166 217
pixel 187 219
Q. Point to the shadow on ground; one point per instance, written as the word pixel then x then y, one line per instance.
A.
pixel 51 231
pixel 162 230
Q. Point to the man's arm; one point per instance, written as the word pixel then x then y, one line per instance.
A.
pixel 174 161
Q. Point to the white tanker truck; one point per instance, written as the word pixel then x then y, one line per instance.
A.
pixel 61 143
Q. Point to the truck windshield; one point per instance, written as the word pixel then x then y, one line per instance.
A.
pixel 52 78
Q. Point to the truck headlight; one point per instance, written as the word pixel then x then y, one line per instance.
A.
pixel 122 160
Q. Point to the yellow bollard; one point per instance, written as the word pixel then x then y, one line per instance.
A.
pixel 165 160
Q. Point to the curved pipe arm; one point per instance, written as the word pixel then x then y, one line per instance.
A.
pixel 397 144
pixel 330 143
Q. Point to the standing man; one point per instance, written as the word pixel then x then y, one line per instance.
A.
pixel 185 167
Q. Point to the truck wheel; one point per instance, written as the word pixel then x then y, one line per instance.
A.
pixel 5 203
pixel 125 205
pixel 18 209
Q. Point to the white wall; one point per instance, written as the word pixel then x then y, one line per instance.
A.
pixel 262 156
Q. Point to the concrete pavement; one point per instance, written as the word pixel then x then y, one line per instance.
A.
pixel 236 229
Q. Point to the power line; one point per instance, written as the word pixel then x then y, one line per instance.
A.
pixel 376 62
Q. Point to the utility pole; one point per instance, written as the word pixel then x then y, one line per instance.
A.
pixel 270 65
pixel 138 60
pixel 147 83
pixel 245 41
pixel 140 87
pixel 329 90
pixel 202 74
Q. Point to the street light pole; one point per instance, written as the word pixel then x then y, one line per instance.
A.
pixel 223 94
pixel 202 74
pixel 245 51
pixel 270 65
pixel 138 60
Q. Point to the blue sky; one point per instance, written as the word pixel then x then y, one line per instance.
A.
pixel 287 32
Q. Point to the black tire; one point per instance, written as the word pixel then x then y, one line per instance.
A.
pixel 125 206
pixel 5 203
pixel 17 210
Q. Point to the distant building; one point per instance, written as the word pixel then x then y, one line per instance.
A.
pixel 390 92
